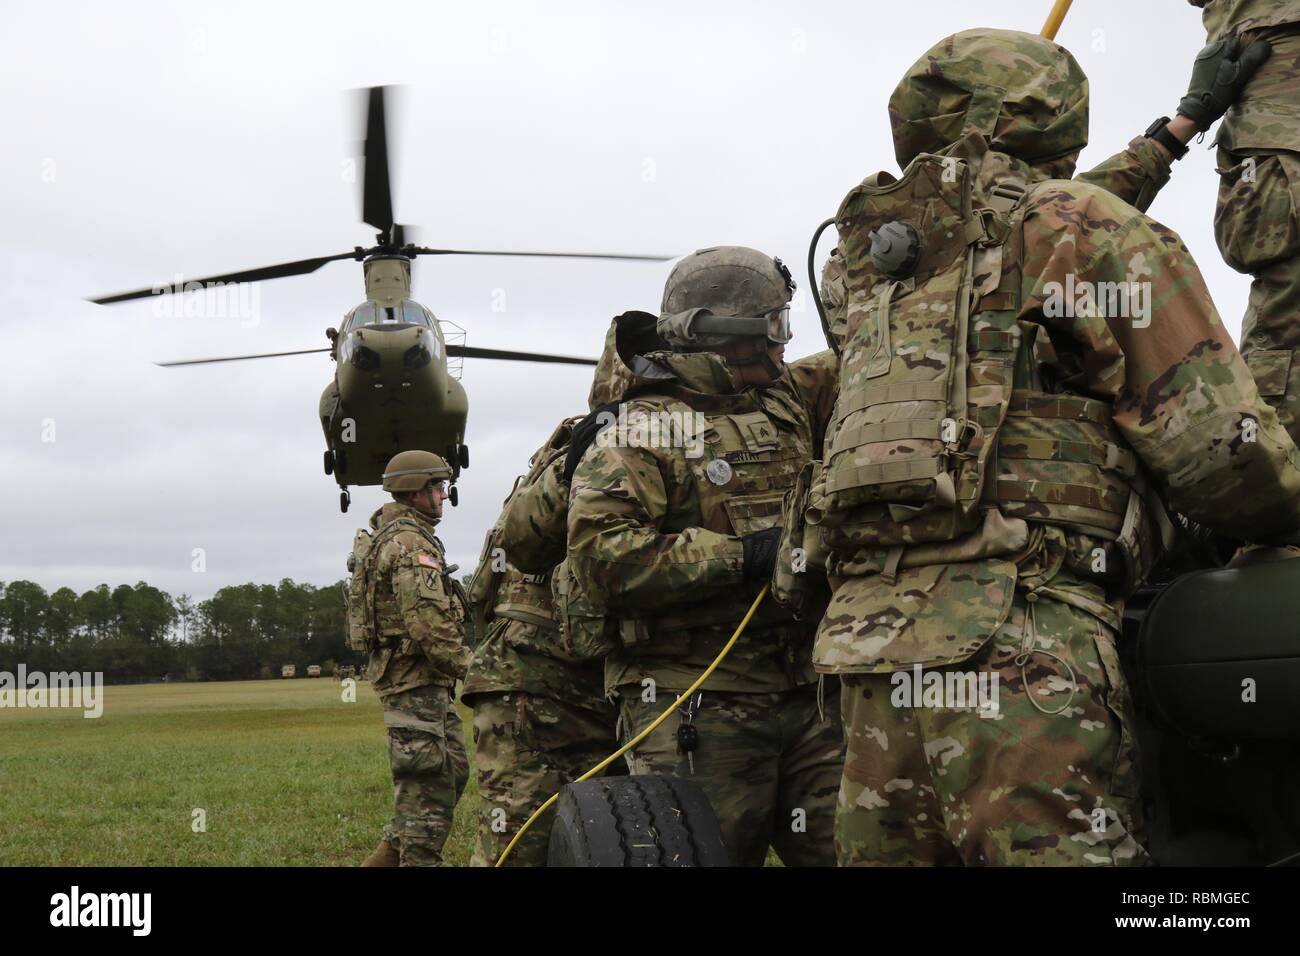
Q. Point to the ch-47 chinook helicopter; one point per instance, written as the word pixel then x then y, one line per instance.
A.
pixel 392 389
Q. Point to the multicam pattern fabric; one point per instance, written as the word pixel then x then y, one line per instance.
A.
pixel 1256 220
pixel 655 541
pixel 418 614
pixel 426 748
pixel 526 747
pixel 934 785
pixel 1160 393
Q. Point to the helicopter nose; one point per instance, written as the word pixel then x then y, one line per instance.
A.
pixel 390 353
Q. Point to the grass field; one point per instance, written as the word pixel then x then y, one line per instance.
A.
pixel 287 773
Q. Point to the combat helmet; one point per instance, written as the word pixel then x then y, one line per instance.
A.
pixel 412 470
pixel 1027 96
pixel 724 291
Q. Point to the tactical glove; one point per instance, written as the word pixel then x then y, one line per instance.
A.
pixel 760 553
pixel 584 433
pixel 1221 71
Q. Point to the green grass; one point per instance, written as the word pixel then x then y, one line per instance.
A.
pixel 287 773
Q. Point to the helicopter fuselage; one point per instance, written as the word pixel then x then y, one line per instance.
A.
pixel 391 391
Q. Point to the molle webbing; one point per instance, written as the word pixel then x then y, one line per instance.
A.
pixel 1060 460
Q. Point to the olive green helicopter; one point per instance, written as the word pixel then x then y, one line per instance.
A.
pixel 392 388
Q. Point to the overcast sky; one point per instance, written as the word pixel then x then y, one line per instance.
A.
pixel 141 140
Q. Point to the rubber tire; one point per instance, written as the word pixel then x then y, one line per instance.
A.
pixel 651 820
pixel 329 462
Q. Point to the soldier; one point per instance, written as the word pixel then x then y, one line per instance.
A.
pixel 541 718
pixel 407 610
pixel 1017 383
pixel 1255 221
pixel 1135 174
pixel 673 525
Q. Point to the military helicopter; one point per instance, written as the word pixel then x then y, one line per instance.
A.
pixel 392 387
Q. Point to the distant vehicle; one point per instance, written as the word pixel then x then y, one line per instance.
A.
pixel 313 670
pixel 346 672
pixel 288 670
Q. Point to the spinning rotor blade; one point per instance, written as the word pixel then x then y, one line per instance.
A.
pixel 376 190
pixel 301 267
pixel 423 251
pixel 236 358
pixel 465 351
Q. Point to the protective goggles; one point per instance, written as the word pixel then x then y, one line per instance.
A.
pixel 775 325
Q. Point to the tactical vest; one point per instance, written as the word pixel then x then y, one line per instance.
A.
pixel 751 456
pixel 371 628
pixel 942 412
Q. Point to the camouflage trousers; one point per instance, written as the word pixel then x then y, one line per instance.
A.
pixel 526 747
pixel 934 784
pixel 426 748
pixel 770 765
pixel 1257 227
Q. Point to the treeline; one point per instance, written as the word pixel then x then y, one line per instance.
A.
pixel 141 633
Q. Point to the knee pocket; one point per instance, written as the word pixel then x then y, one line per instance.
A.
pixel 1255 220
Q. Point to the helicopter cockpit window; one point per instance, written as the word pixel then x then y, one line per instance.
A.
pixel 406 313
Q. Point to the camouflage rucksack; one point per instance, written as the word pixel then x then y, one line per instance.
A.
pixel 481 596
pixel 359 598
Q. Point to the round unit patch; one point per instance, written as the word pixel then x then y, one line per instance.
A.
pixel 718 471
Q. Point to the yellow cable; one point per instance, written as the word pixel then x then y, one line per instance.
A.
pixel 1059 10
pixel 740 629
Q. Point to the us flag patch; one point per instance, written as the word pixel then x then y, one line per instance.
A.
pixel 428 561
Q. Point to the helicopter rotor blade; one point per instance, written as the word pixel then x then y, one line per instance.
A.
pixel 376 189
pixel 236 358
pixel 468 351
pixel 424 251
pixel 300 267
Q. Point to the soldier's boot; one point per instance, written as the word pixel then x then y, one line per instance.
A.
pixel 384 855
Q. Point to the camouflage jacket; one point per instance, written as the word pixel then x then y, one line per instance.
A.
pixel 654 526
pixel 415 608
pixel 1169 384
pixel 1225 17
pixel 1267 116
pixel 1135 175
pixel 520 650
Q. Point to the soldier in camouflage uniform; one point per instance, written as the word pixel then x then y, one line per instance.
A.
pixel 673 524
pixel 541 718
pixel 1004 425
pixel 1135 174
pixel 1256 222
pixel 416 617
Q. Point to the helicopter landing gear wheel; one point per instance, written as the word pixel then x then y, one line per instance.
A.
pixel 329 462
pixel 463 455
pixel 453 496
pixel 345 499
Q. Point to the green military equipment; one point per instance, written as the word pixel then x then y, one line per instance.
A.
pixel 895 247
pixel 1219 654
pixel 397 366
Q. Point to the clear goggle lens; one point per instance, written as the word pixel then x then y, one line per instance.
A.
pixel 778 326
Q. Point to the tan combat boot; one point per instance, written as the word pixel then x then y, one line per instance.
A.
pixel 384 855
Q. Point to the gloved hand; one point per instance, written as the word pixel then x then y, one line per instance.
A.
pixel 1221 70
pixel 584 433
pixel 760 553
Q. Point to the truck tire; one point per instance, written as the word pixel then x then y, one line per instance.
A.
pixel 650 820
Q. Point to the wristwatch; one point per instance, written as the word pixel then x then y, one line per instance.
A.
pixel 1160 133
